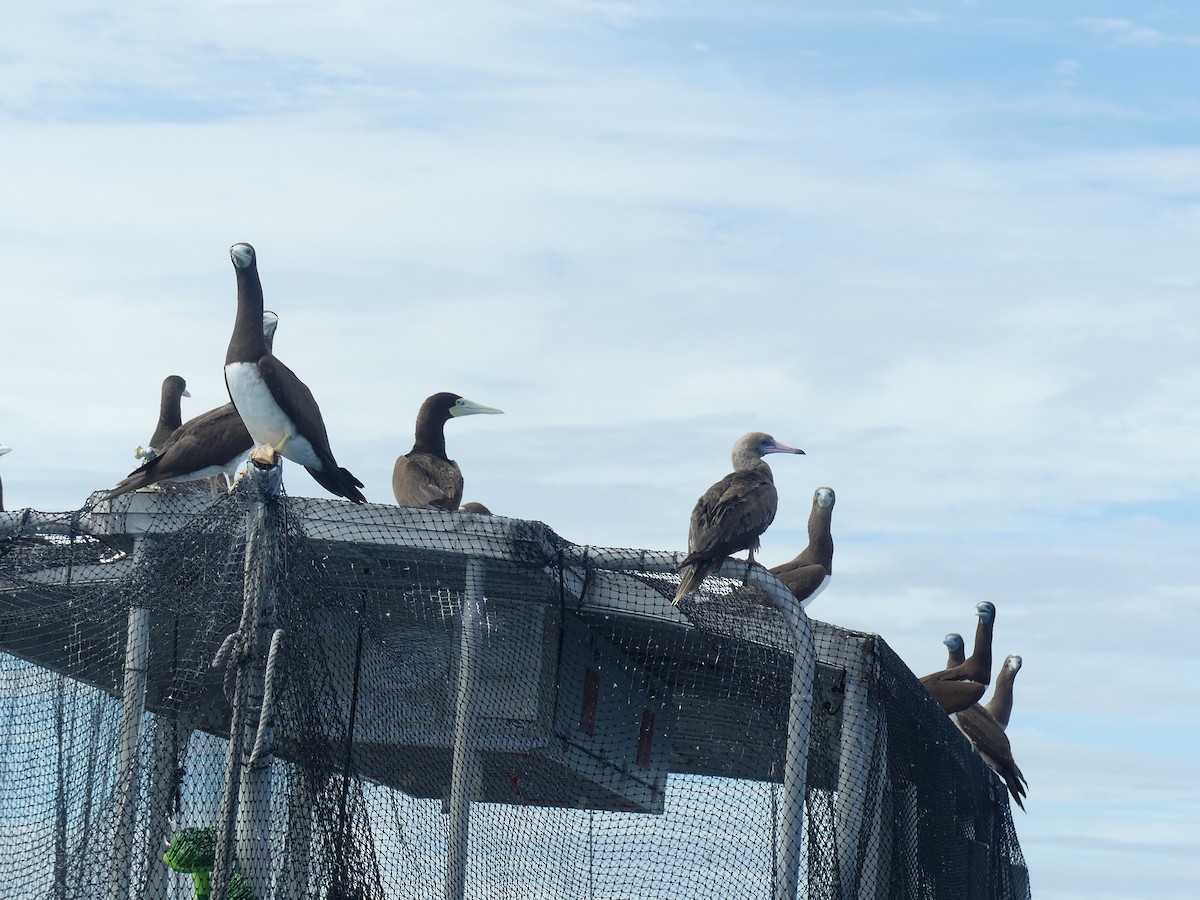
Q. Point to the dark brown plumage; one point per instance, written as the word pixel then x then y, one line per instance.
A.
pixel 957 687
pixel 1001 704
pixel 277 408
pixel 477 508
pixel 989 740
pixel 210 444
pixel 425 476
pixel 808 574
pixel 169 415
pixel 732 514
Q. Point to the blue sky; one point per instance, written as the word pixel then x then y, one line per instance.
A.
pixel 947 249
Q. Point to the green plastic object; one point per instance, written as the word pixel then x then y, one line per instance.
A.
pixel 193 851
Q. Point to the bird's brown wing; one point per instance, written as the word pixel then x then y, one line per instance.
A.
pixel 731 515
pixel 419 479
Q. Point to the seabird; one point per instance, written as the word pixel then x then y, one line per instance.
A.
pixel 1000 706
pixel 478 508
pixel 808 574
pixel 989 740
pixel 277 408
pixel 211 444
pixel 733 513
pixel 169 418
pixel 956 649
pixel 3 450
pixel 425 476
pixel 957 687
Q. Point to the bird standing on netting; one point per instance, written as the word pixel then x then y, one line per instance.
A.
pixel 809 573
pixel 210 445
pixel 732 514
pixel 278 409
pixel 169 417
pixel 425 476
pixel 957 687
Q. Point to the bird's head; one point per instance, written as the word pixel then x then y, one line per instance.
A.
pixel 461 406
pixel 986 610
pixel 953 642
pixel 270 322
pixel 242 255
pixel 1012 662
pixel 824 498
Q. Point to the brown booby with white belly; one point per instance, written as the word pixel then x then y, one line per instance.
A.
pixel 957 687
pixel 809 573
pixel 425 476
pixel 169 416
pixel 211 444
pixel 277 408
pixel 732 514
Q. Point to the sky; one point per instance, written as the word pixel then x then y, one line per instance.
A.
pixel 947 249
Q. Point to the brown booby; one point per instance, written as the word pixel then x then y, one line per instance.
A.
pixel 277 408
pixel 733 513
pixel 808 574
pixel 956 649
pixel 1000 706
pixel 989 740
pixel 957 687
pixel 169 416
pixel 211 444
pixel 425 476
pixel 3 450
pixel 478 508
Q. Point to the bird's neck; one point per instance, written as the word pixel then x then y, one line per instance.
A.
pixel 1000 706
pixel 981 653
pixel 247 343
pixel 168 410
pixel 430 435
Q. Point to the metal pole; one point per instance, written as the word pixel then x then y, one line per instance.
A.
pixel 248 653
pixel 133 705
pixel 466 767
pixel 795 772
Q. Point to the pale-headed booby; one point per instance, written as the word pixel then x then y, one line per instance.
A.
pixel 277 408
pixel 1001 704
pixel 808 574
pixel 3 450
pixel 733 513
pixel 425 476
pixel 478 508
pixel 957 687
pixel 989 740
pixel 213 443
pixel 169 416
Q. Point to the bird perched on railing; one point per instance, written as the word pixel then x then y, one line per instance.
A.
pixel 732 514
pixel 809 573
pixel 277 408
pixel 211 444
pixel 169 417
pixel 957 687
pixel 425 475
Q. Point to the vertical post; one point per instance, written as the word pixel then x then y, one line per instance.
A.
pixel 856 757
pixel 466 769
pixel 249 654
pixel 133 705
pixel 303 790
pixel 795 770
pixel 169 735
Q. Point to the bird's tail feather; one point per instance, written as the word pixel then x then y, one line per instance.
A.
pixel 340 482
pixel 694 573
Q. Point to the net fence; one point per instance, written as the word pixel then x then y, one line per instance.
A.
pixel 423 704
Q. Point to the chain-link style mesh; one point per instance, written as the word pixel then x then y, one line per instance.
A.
pixel 427 705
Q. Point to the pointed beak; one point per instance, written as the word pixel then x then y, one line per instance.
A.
pixel 465 407
pixel 777 447
pixel 4 450
pixel 185 393
pixel 242 255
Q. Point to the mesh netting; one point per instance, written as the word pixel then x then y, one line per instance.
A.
pixel 427 704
